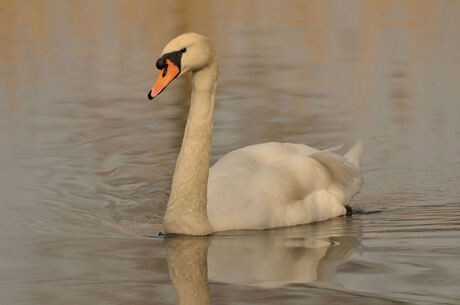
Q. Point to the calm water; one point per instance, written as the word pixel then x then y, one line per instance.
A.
pixel 86 162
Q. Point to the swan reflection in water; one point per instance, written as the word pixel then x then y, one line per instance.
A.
pixel 272 258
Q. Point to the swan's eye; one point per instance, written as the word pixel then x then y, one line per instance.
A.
pixel 183 50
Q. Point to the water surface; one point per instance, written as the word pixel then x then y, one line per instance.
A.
pixel 86 162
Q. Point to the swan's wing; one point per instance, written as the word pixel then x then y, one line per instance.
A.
pixel 297 190
pixel 260 155
pixel 334 148
pixel 344 175
pixel 273 185
pixel 300 176
pixel 257 156
pixel 293 178
pixel 282 163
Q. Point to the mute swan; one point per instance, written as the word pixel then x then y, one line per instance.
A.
pixel 256 187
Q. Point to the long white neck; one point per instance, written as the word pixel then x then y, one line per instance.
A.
pixel 186 212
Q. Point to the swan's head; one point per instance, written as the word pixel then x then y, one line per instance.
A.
pixel 187 52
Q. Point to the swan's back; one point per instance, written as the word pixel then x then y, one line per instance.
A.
pixel 279 184
pixel 251 158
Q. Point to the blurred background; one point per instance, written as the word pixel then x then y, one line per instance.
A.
pixel 86 160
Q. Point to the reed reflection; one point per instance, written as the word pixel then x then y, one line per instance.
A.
pixel 266 259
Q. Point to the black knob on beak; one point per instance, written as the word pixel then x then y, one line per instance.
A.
pixel 161 63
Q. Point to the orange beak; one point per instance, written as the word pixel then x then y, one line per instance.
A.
pixel 167 75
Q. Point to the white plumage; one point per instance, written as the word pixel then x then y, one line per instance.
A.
pixel 256 187
pixel 280 184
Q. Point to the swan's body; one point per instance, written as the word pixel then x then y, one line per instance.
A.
pixel 256 187
pixel 279 184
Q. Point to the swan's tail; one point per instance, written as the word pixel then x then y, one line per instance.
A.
pixel 355 153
